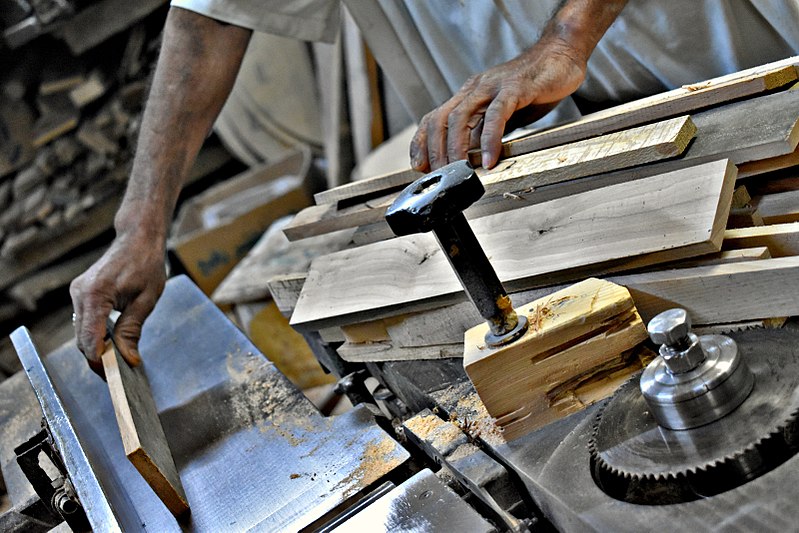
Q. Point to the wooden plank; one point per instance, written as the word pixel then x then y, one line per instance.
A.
pixel 778 208
pixel 385 351
pixel 688 98
pixel 667 217
pixel 742 131
pixel 368 187
pixel 285 291
pixel 782 240
pixel 755 168
pixel 578 340
pixel 593 156
pixel 142 434
pixel 734 292
pixel 743 292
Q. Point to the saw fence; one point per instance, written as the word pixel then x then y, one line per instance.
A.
pixel 688 199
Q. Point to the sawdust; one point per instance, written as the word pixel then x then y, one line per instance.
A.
pixel 295 476
pixel 472 417
pixel 463 451
pixel 436 432
pixel 377 459
pixel 263 400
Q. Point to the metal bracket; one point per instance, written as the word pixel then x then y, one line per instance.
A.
pixel 56 492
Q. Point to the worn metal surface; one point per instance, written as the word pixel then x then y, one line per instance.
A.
pixel 421 504
pixel 554 465
pixel 251 451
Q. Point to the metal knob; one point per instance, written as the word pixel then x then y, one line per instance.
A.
pixel 435 202
pixel 680 349
pixel 696 380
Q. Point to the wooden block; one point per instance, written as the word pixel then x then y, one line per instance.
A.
pixel 782 240
pixel 685 99
pixel 593 156
pixel 577 339
pixel 88 91
pixel 53 125
pixel 142 434
pixel 663 218
pixel 778 208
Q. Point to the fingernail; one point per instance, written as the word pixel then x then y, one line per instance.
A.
pixel 486 157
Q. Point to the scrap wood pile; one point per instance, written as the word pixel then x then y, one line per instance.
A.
pixel 688 198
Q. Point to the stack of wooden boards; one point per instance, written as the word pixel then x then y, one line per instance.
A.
pixel 639 194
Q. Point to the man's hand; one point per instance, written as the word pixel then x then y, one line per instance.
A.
pixel 517 92
pixel 528 87
pixel 129 277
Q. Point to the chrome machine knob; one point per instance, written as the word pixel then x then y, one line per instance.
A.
pixel 695 380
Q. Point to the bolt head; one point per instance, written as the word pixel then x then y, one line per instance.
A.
pixel 434 199
pixel 670 327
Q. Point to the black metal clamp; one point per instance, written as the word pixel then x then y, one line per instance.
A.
pixel 435 202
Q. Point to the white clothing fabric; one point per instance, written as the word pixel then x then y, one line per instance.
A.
pixel 428 48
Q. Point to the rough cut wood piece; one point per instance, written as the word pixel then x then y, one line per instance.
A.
pixel 386 351
pixel 285 291
pixel 685 99
pixel 782 240
pixel 624 149
pixel 578 338
pixel 664 218
pixel 142 434
pixel 53 125
pixel 778 208
pixel 368 187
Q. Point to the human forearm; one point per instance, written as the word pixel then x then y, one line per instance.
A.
pixel 580 24
pixel 199 60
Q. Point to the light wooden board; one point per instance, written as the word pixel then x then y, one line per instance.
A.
pixel 668 217
pixel 778 208
pixel 142 434
pixel 578 338
pixel 285 291
pixel 743 131
pixel 782 240
pixel 688 98
pixel 367 187
pixel 755 168
pixel 386 351
pixel 720 294
pixel 593 156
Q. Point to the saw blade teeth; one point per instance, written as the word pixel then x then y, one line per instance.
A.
pixel 623 426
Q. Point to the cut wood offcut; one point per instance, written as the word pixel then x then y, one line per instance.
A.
pixel 143 436
pixel 578 348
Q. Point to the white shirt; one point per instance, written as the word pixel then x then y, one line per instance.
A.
pixel 428 48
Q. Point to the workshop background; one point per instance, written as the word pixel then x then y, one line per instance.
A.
pixel 74 78
pixel 686 199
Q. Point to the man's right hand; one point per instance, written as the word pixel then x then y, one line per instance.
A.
pixel 129 277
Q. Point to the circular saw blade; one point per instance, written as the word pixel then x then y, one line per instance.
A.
pixel 635 460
